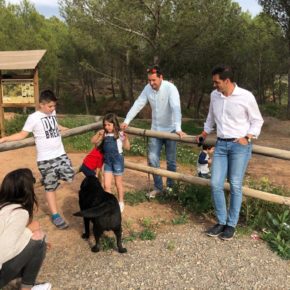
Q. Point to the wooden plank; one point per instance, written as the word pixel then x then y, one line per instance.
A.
pixel 30 141
pixel 2 125
pixel 18 105
pixel 257 149
pixel 21 59
pixel 36 88
pixel 202 181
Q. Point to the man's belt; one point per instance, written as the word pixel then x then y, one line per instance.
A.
pixel 227 139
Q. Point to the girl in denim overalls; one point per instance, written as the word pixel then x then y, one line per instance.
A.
pixel 113 143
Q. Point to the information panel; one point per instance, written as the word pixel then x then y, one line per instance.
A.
pixel 17 91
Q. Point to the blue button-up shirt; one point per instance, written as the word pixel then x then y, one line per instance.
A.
pixel 165 105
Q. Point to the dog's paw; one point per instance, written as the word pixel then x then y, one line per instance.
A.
pixel 122 250
pixel 85 236
pixel 95 249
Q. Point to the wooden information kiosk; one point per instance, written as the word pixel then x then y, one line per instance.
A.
pixel 18 80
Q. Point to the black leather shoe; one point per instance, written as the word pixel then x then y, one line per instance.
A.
pixel 228 233
pixel 215 230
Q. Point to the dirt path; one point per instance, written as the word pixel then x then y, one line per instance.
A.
pixel 181 257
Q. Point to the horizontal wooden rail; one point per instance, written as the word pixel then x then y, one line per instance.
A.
pixel 202 181
pixel 257 149
pixel 67 133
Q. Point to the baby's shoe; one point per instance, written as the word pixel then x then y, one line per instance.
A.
pixel 122 206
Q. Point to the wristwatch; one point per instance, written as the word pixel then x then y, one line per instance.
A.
pixel 248 139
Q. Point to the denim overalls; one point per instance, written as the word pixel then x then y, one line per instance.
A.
pixel 113 160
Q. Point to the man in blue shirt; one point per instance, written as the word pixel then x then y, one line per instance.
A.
pixel 164 100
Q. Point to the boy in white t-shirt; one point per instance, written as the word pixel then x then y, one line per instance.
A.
pixel 52 161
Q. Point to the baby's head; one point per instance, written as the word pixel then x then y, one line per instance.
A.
pixel 208 148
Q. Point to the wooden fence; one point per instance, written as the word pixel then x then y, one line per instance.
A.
pixel 266 151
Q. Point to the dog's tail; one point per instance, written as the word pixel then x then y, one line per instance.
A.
pixel 97 211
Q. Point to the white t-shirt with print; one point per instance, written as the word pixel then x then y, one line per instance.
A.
pixel 46 134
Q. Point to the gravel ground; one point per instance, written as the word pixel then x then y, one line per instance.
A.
pixel 182 258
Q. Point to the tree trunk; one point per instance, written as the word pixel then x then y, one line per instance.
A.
pixel 191 97
pixel 84 93
pixel 112 81
pixel 130 77
pixel 197 110
pixel 288 105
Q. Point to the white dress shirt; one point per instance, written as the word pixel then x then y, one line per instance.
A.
pixel 165 105
pixel 235 116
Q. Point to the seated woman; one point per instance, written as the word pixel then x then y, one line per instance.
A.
pixel 22 242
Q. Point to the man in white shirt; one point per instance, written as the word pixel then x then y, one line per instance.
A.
pixel 236 115
pixel 164 100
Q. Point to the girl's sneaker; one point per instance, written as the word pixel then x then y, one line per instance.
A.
pixel 44 286
pixel 122 206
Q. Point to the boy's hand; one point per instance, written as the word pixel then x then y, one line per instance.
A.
pixel 61 128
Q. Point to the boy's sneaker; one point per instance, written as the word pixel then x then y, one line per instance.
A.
pixel 122 206
pixel 228 233
pixel 215 230
pixel 44 286
pixel 153 193
pixel 60 223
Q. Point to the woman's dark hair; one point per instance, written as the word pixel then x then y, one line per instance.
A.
pixel 112 118
pixel 17 188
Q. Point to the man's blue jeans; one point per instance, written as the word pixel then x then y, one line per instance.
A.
pixel 230 161
pixel 154 153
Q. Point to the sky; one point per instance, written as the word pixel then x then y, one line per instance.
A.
pixel 50 7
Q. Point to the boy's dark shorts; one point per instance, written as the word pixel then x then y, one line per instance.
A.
pixel 53 170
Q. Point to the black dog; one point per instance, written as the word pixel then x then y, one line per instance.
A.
pixel 102 209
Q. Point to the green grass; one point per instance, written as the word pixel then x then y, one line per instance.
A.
pixel 181 219
pixel 191 127
pixel 170 245
pixel 15 125
pixel 107 243
pixel 147 222
pixel 135 197
pixel 195 198
pixel 147 234
pixel 133 236
pixel 78 143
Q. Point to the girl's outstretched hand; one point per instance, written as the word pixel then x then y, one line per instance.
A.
pixel 98 137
